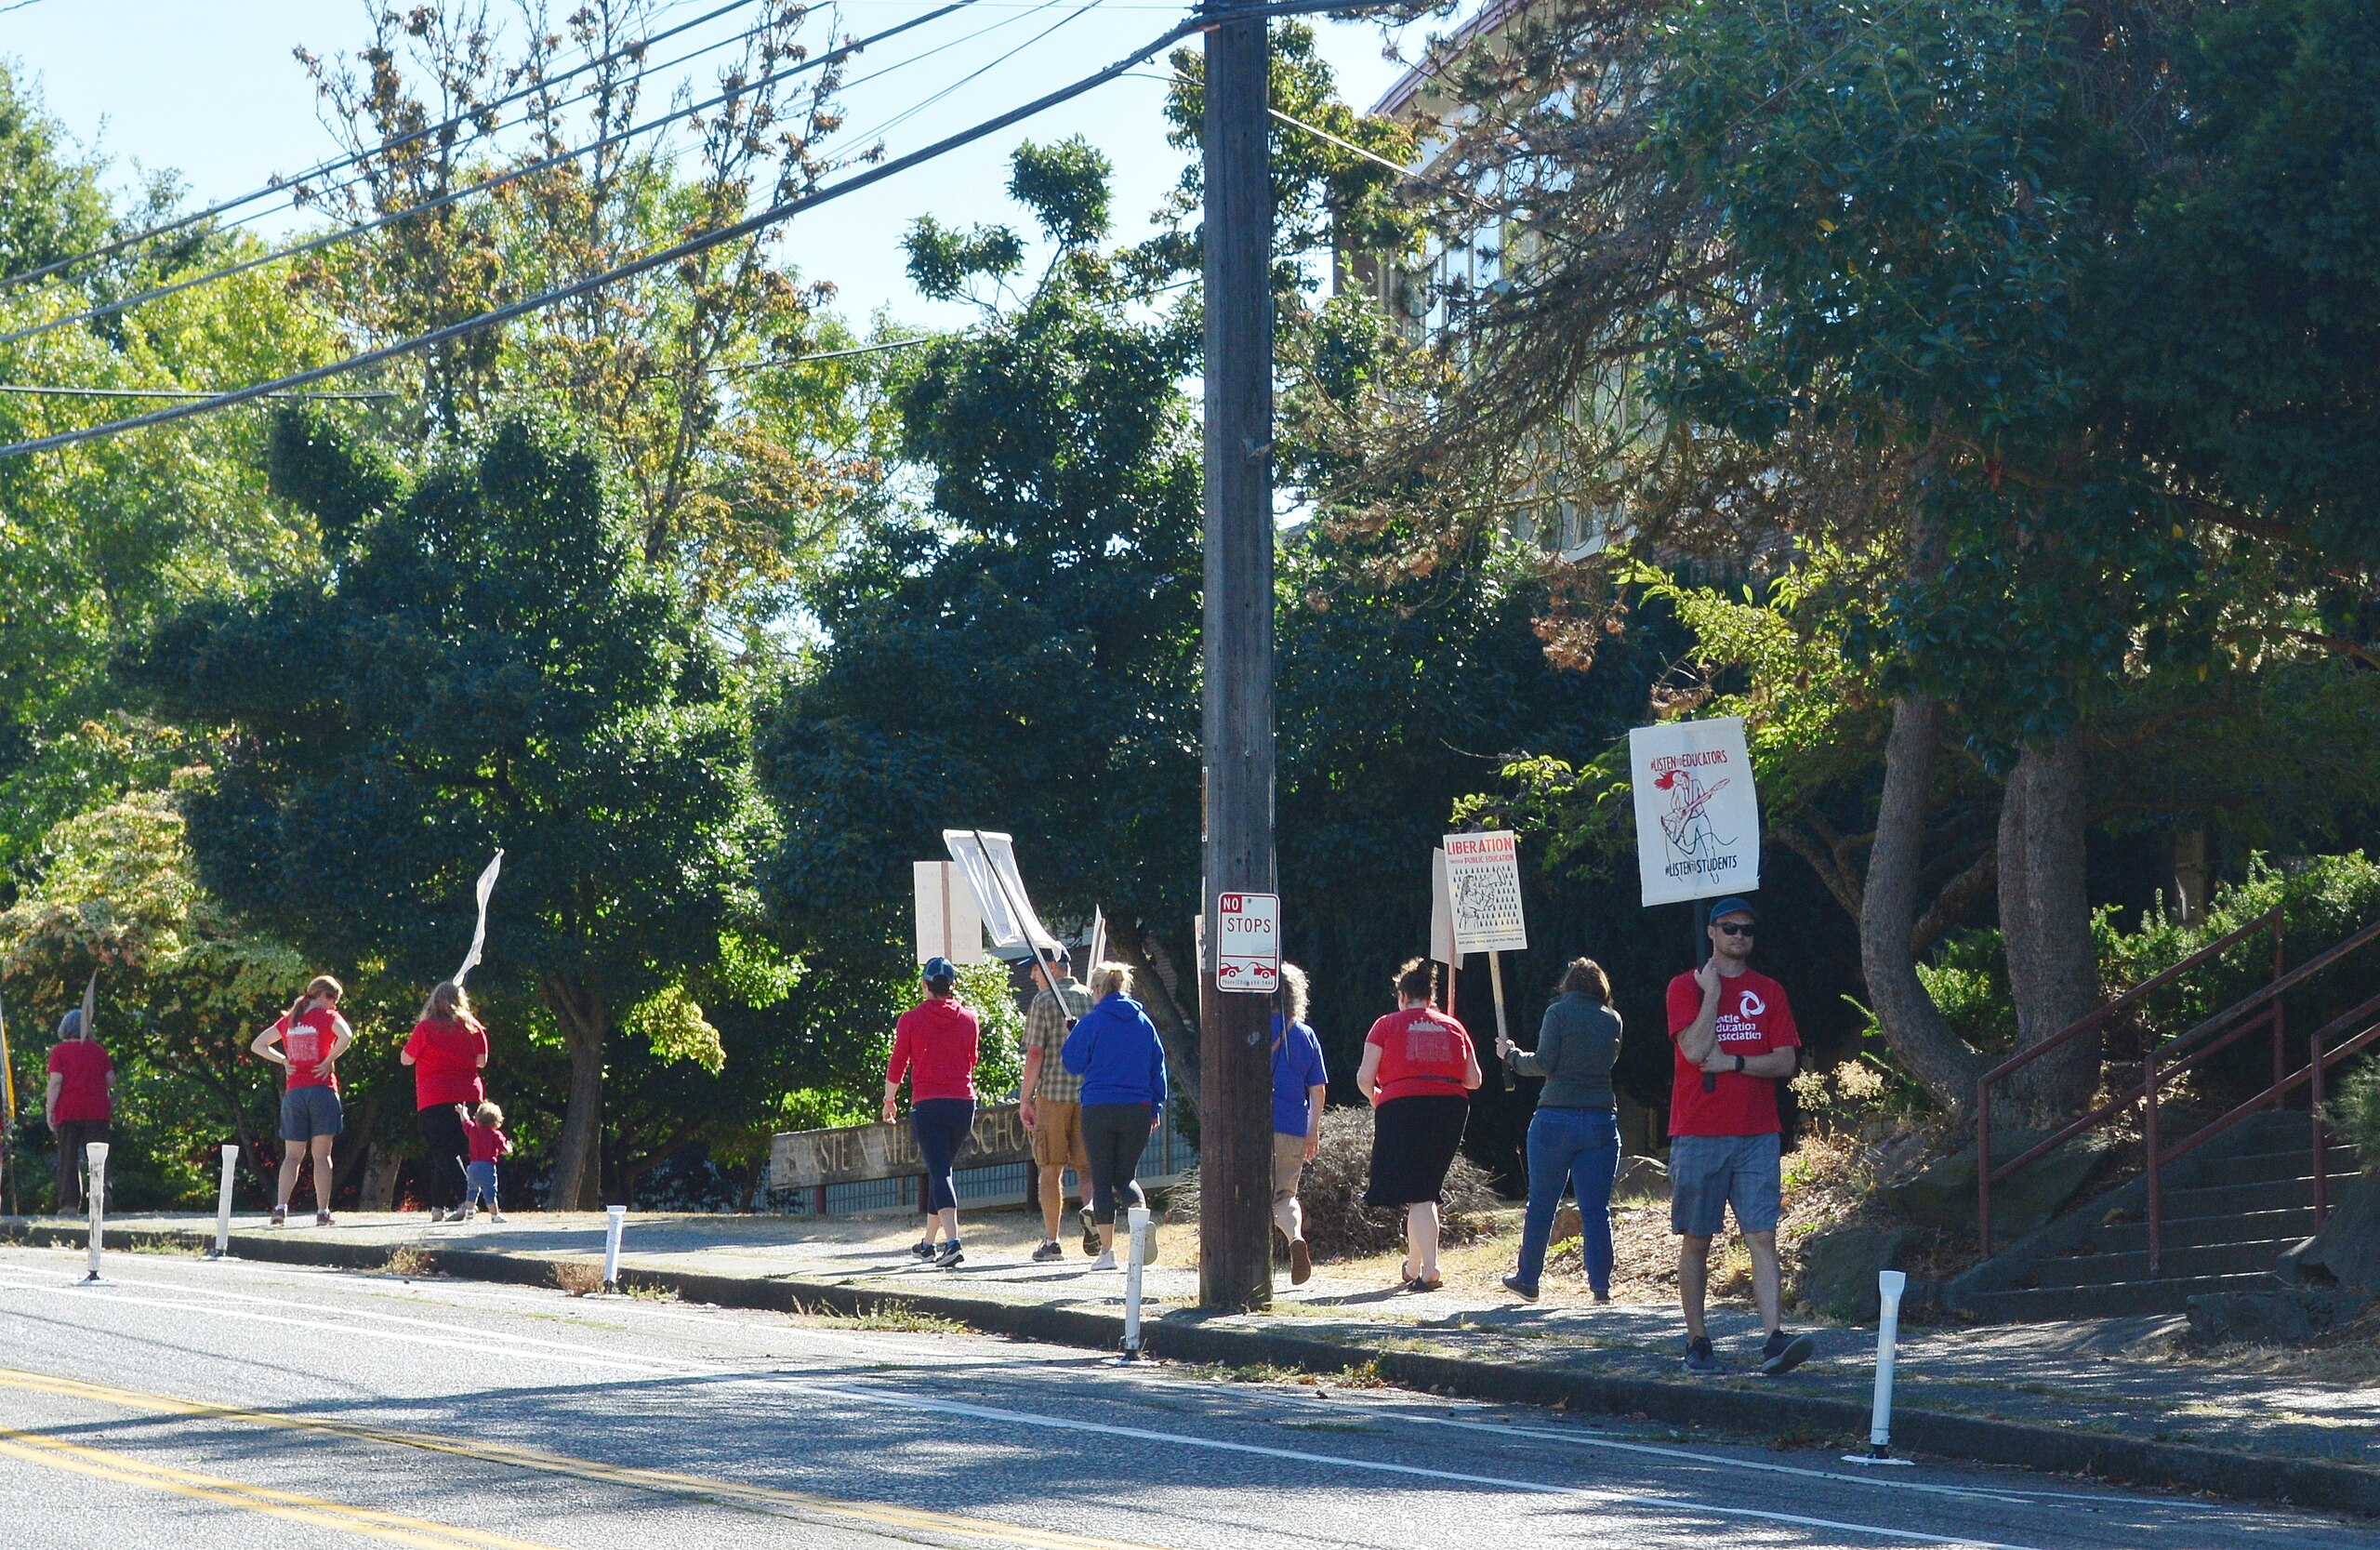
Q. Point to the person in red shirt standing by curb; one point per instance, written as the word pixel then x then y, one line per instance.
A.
pixel 1734 1037
pixel 311 1036
pixel 935 1045
pixel 79 1104
pixel 446 1051
pixel 1419 1071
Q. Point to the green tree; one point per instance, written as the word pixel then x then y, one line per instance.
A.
pixel 492 663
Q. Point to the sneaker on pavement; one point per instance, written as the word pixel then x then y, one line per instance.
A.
pixel 1782 1352
pixel 1301 1263
pixel 950 1256
pixel 1700 1357
pixel 1520 1289
pixel 1089 1232
pixel 321 1218
pixel 922 1249
pixel 280 1214
pixel 437 1214
pixel 1050 1249
pixel 1105 1261
pixel 494 1215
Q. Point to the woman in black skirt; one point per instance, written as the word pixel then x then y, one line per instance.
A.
pixel 1419 1071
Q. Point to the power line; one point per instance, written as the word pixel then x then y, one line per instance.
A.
pixel 511 175
pixel 163 393
pixel 738 368
pixel 284 185
pixel 783 211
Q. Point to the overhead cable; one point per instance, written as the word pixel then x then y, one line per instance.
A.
pixel 511 175
pixel 322 169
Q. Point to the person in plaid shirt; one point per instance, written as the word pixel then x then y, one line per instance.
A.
pixel 1051 1107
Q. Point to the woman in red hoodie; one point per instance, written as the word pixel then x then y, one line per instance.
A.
pixel 933 1045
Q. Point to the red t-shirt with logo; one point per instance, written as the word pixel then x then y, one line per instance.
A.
pixel 82 1068
pixel 446 1061
pixel 307 1043
pixel 1423 1053
pixel 1753 1018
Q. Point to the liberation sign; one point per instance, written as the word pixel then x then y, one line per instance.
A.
pixel 1483 894
pixel 1698 818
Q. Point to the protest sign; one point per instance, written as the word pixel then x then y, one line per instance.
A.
pixel 1484 893
pixel 1698 818
pixel 949 923
pixel 989 862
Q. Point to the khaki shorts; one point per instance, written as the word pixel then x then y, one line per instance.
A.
pixel 1057 1138
pixel 1289 1165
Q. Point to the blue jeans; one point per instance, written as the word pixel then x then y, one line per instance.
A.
pixel 479 1184
pixel 1578 1147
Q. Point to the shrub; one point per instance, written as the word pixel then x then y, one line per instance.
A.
pixel 2355 1112
pixel 1338 1223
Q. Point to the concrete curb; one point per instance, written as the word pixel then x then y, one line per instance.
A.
pixel 2323 1485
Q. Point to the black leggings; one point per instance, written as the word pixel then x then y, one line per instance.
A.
pixel 941 1127
pixel 442 1129
pixel 1115 1135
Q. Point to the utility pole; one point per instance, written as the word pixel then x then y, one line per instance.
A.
pixel 1236 1066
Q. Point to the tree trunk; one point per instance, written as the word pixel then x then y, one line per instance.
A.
pixel 1913 1026
pixel 2046 921
pixel 381 1165
pixel 1152 970
pixel 577 1180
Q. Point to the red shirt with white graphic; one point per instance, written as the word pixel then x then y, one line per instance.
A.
pixel 1423 1053
pixel 306 1043
pixel 1753 1018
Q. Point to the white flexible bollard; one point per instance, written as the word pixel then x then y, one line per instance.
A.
pixel 96 1157
pixel 1136 1253
pixel 615 1218
pixel 1890 1284
pixel 223 1205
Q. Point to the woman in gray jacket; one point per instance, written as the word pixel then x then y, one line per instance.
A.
pixel 1573 1138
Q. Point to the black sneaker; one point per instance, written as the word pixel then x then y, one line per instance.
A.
pixel 1051 1250
pixel 1782 1353
pixel 922 1249
pixel 1700 1357
pixel 950 1258
pixel 1520 1289
pixel 1089 1232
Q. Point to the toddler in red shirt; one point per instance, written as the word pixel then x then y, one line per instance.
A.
pixel 484 1132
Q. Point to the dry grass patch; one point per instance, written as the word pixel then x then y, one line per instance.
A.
pixel 407 1262
pixel 576 1278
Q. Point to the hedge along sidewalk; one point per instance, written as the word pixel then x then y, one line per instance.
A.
pixel 1469 1348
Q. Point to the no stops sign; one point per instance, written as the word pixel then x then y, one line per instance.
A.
pixel 1247 943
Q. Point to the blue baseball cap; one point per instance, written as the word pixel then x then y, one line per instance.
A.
pixel 1734 904
pixel 938 967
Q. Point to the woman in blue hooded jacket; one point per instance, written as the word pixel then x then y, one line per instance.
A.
pixel 1114 1049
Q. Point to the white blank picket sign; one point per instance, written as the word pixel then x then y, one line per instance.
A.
pixel 223 1205
pixel 614 1218
pixel 96 1155
pixel 949 923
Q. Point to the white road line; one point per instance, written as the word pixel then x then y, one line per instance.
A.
pixel 553 1351
pixel 1411 1471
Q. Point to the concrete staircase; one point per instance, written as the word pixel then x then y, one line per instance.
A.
pixel 2230 1210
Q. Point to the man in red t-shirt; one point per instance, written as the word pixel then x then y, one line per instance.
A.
pixel 79 1102
pixel 1732 1033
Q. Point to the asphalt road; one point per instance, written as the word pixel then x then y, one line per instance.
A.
pixel 193 1405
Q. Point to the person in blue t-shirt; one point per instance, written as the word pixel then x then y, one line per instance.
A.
pixel 1299 1085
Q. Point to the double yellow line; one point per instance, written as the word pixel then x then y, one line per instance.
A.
pixel 37 1447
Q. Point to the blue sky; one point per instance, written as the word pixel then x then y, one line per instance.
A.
pixel 208 88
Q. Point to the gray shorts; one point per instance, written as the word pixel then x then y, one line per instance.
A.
pixel 1708 1173
pixel 307 1112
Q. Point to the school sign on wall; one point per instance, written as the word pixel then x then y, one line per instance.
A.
pixel 1698 818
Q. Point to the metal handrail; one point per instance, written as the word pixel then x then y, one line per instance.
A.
pixel 2209 1035
pixel 1986 1176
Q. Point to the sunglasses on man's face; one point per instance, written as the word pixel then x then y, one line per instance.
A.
pixel 1731 928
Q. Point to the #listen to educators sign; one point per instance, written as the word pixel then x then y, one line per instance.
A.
pixel 1698 818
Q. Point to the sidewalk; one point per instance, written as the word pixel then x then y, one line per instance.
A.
pixel 2110 1397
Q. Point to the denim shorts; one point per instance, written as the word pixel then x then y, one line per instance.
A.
pixel 307 1112
pixel 1708 1173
